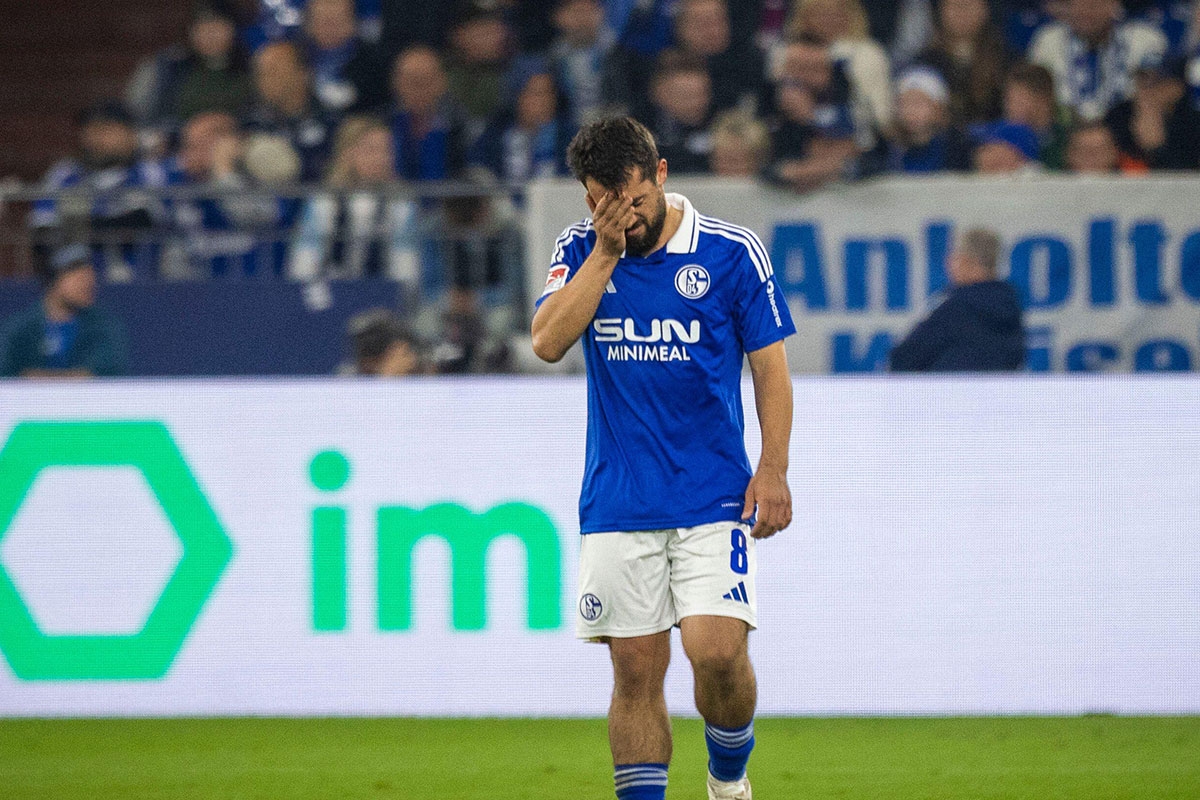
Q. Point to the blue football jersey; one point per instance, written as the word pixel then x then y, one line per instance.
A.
pixel 665 438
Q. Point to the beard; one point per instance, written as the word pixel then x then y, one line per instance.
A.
pixel 641 245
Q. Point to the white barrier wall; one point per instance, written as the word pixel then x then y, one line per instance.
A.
pixel 959 546
pixel 1109 269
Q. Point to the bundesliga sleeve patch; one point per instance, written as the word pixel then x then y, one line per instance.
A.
pixel 557 279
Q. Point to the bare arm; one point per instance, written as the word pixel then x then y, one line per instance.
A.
pixel 768 488
pixel 565 315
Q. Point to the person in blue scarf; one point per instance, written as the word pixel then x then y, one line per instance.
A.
pixel 529 139
pixel 348 73
pixel 427 125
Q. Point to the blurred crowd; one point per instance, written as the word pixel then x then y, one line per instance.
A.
pixel 361 100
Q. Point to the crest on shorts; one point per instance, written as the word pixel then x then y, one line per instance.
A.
pixel 590 607
pixel 692 281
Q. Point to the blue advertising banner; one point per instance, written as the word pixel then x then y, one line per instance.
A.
pixel 1108 270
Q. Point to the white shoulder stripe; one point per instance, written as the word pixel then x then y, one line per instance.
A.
pixel 569 235
pixel 754 240
pixel 763 267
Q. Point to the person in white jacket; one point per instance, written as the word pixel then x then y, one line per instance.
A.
pixel 359 228
pixel 1093 55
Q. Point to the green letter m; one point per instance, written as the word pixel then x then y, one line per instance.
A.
pixel 469 537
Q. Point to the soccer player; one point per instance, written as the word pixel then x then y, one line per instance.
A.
pixel 667 302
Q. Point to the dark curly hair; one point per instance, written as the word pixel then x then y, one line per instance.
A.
pixel 608 151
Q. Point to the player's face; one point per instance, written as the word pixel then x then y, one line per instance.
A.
pixel 649 208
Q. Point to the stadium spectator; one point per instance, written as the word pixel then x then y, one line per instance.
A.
pixel 735 69
pixel 227 232
pixel 842 24
pixel 482 48
pixel 702 29
pixel 1029 100
pixel 64 335
pixel 529 139
pixel 925 141
pixel 210 73
pixel 680 111
pixel 359 228
pixel 969 50
pixel 579 54
pixel 426 124
pixel 1093 56
pixel 1158 128
pixel 348 73
pixel 286 106
pixel 1091 150
pixel 382 346
pixel 741 145
pixel 1005 148
pixel 978 327
pixel 812 129
pixel 115 215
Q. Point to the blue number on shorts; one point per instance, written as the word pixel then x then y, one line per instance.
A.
pixel 739 559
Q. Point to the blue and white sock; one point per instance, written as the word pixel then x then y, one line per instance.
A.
pixel 728 751
pixel 640 781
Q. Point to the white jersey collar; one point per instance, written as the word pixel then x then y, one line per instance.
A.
pixel 686 238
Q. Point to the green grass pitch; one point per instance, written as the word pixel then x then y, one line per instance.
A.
pixel 1078 758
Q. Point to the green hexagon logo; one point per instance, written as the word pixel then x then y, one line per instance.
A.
pixel 148 447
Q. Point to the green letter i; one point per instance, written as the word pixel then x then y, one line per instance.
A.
pixel 329 471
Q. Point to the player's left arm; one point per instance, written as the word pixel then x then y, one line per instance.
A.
pixel 768 489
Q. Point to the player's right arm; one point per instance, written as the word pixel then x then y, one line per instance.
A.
pixel 564 315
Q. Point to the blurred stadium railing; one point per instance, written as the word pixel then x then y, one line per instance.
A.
pixel 1108 273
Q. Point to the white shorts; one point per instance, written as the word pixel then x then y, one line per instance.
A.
pixel 644 582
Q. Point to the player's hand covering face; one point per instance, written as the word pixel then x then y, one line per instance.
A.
pixel 640 211
pixel 611 217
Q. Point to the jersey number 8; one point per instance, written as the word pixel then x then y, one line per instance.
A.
pixel 739 559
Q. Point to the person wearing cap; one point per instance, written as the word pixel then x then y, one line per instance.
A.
pixel 114 217
pixel 978 327
pixel 1093 55
pixel 1158 128
pixel 1005 148
pixel 64 335
pixel 925 142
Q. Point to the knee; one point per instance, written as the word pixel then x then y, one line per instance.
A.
pixel 638 674
pixel 718 657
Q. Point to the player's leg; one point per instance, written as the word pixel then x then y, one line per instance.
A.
pixel 639 729
pixel 713 570
pixel 625 600
pixel 726 689
pixel 726 693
